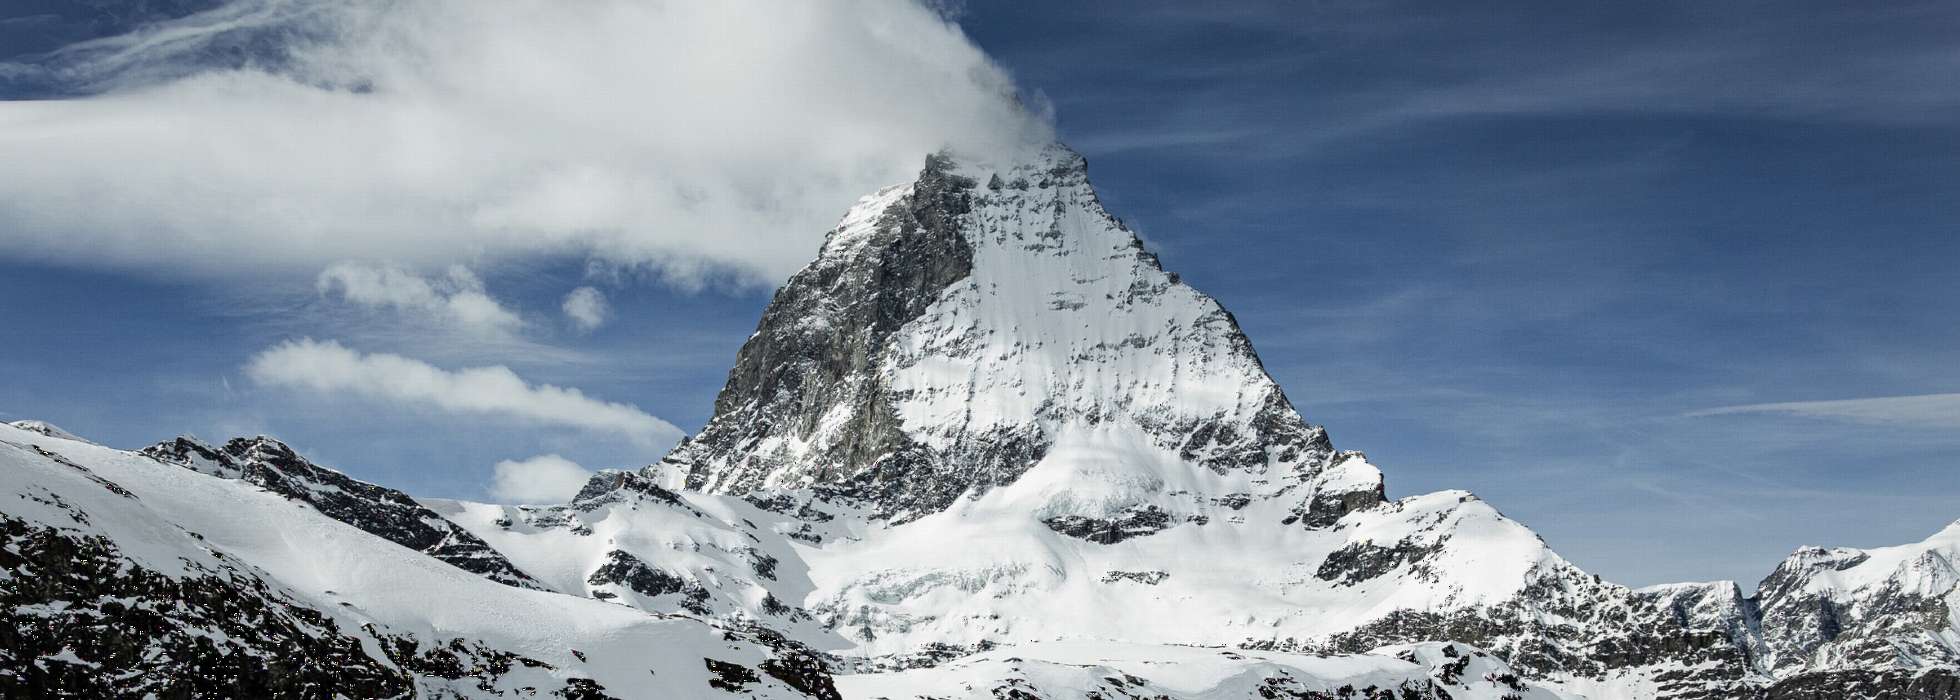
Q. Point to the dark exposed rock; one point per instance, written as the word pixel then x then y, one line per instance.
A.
pixel 803 672
pixel 609 484
pixel 1134 522
pixel 1362 561
pixel 627 570
pixel 821 335
pixel 459 659
pixel 1326 507
pixel 1148 578
pixel 787 505
pixel 82 621
pixel 582 689
pixel 1933 684
pixel 764 565
pixel 1574 625
pixel 729 676
pixel 1233 501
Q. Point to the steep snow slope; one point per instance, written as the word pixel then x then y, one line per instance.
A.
pixel 126 576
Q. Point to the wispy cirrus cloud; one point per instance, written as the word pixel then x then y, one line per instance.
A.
pixel 331 368
pixel 1375 70
pixel 1924 410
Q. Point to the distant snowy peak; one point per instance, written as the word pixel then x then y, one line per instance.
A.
pixel 1884 608
pixel 958 332
pixel 48 429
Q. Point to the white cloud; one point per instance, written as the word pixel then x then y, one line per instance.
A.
pixel 458 297
pixel 328 367
pixel 692 138
pixel 1931 410
pixel 587 308
pixel 541 479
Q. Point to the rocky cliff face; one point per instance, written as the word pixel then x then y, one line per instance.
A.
pixel 1892 608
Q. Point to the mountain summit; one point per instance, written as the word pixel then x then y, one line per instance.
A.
pixel 987 321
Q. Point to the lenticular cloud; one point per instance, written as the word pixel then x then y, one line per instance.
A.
pixel 698 139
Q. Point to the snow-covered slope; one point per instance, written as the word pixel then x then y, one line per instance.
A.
pixel 1093 671
pixel 384 512
pixel 131 574
pixel 1886 608
pixel 126 577
pixel 46 428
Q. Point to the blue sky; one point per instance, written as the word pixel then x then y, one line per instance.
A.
pixel 1541 252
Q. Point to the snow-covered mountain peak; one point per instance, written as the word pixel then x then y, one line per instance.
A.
pixel 48 429
pixel 990 322
pixel 983 446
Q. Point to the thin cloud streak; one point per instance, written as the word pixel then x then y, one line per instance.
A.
pixel 1710 64
pixel 1924 410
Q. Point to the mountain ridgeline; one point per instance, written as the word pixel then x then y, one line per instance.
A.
pixel 984 446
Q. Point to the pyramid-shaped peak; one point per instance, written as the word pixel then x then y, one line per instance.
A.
pixel 989 317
